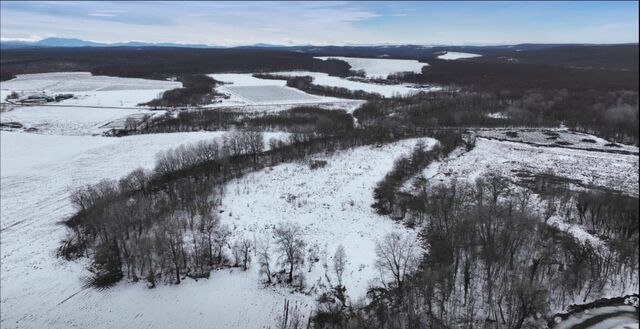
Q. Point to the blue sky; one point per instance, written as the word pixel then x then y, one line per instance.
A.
pixel 321 23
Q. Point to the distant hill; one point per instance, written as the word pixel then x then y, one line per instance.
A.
pixel 617 57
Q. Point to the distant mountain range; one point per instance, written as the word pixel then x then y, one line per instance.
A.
pixel 70 42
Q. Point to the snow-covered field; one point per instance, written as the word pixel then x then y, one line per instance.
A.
pixel 90 90
pixel 613 171
pixel 69 120
pixel 98 100
pixel 556 137
pixel 42 291
pixel 78 82
pixel 323 79
pixel 380 67
pixel 246 90
pixel 270 94
pixel 452 55
pixel 38 173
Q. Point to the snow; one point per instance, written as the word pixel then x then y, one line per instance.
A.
pixel 323 79
pixel 452 55
pixel 246 79
pixel 68 120
pixel 332 204
pixel 35 282
pixel 600 169
pixel 42 291
pixel 270 94
pixel 575 230
pixel 506 158
pixel 380 67
pixel 78 82
pixel 97 101
pixel 553 136
pixel 267 94
pixel 627 316
pixel 629 325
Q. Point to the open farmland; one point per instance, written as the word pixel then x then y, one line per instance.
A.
pixel 98 103
pixel 453 55
pixel 78 82
pixel 380 67
pixel 270 94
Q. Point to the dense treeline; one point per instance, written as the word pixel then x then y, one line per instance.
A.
pixel 161 62
pixel 496 76
pixel 492 261
pixel 6 75
pixel 161 225
pixel 300 119
pixel 197 89
pixel 389 200
pixel 612 115
pixel 613 57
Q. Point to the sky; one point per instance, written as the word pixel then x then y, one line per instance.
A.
pixel 323 23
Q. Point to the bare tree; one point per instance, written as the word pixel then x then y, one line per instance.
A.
pixel 339 263
pixel 245 250
pixel 397 255
pixel 290 245
pixel 222 236
pixel 263 247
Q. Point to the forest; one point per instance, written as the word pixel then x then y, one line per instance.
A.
pixel 484 253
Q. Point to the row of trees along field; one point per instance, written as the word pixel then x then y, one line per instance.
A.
pixel 197 89
pixel 161 225
pixel 301 119
pixel 493 260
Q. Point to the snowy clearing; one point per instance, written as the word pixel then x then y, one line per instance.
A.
pixel 332 204
pixel 380 67
pixel 452 55
pixel 35 283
